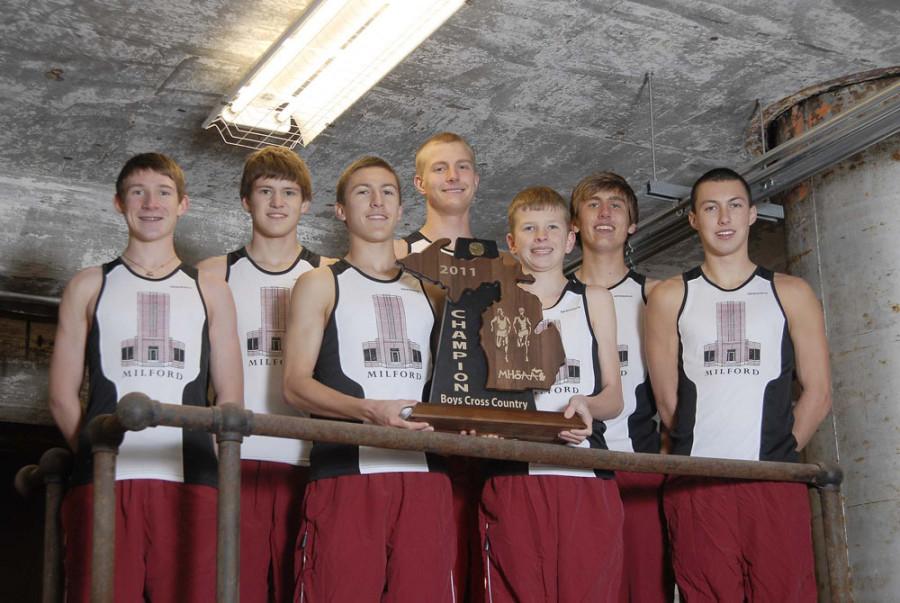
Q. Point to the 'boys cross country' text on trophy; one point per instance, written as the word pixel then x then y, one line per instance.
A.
pixel 493 349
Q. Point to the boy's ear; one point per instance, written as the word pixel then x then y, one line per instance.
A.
pixel 632 228
pixel 184 205
pixel 511 242
pixel 339 212
pixel 304 206
pixel 417 182
pixel 245 204
pixel 118 204
pixel 570 241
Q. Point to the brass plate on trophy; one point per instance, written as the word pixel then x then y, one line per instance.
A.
pixel 531 425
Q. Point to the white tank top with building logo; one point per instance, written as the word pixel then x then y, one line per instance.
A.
pixel 377 346
pixel 735 371
pixel 262 299
pixel 150 336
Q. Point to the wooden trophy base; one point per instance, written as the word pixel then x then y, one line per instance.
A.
pixel 531 425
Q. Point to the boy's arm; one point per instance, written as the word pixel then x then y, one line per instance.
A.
pixel 661 345
pixel 312 302
pixel 224 350
pixel 608 402
pixel 806 324
pixel 67 362
pixel 216 266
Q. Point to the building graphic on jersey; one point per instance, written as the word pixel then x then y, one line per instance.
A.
pixel 273 307
pixel 153 345
pixel 623 355
pixel 392 348
pixel 570 371
pixel 731 348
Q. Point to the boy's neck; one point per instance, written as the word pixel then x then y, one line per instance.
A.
pixel 446 227
pixel 375 259
pixel 151 252
pixel 547 286
pixel 728 272
pixel 604 268
pixel 153 258
pixel 273 253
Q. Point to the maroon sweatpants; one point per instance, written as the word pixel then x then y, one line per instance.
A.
pixel 385 537
pixel 551 538
pixel 740 540
pixel 271 505
pixel 165 542
pixel 647 571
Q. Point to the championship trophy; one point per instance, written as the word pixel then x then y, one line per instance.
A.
pixel 493 349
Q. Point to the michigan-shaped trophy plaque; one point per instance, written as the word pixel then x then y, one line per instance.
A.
pixel 493 349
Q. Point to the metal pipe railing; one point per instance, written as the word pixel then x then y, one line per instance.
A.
pixel 51 473
pixel 231 423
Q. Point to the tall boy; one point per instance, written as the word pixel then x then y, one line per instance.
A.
pixel 605 213
pixel 555 533
pixel 446 175
pixel 723 343
pixel 377 523
pixel 145 322
pixel 276 190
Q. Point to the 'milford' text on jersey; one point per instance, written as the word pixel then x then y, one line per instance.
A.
pixel 150 336
pixel 735 371
pixel 376 346
pixel 635 429
pixel 262 299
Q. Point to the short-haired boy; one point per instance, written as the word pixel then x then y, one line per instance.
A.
pixel 146 323
pixel 605 214
pixel 555 533
pixel 377 523
pixel 276 190
pixel 446 175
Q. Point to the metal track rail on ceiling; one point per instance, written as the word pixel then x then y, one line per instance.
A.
pixel 784 167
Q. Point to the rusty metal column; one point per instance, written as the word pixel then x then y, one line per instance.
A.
pixel 842 232
pixel 105 435
pixel 232 423
pixel 55 465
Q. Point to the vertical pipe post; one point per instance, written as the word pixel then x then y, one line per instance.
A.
pixel 55 465
pixel 232 423
pixel 836 556
pixel 105 435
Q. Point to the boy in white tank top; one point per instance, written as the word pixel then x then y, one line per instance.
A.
pixel 276 190
pixel 140 322
pixel 605 214
pixel 555 533
pixel 446 175
pixel 376 522
pixel 723 342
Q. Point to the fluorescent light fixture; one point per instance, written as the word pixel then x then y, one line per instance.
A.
pixel 337 51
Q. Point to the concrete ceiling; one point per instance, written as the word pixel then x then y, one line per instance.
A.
pixel 546 90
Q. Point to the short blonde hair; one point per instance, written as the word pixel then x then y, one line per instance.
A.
pixel 536 197
pixel 442 138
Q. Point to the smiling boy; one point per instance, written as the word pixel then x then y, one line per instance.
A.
pixel 145 322
pixel 724 341
pixel 555 533
pixel 377 523
pixel 605 214
pixel 276 190
pixel 446 175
